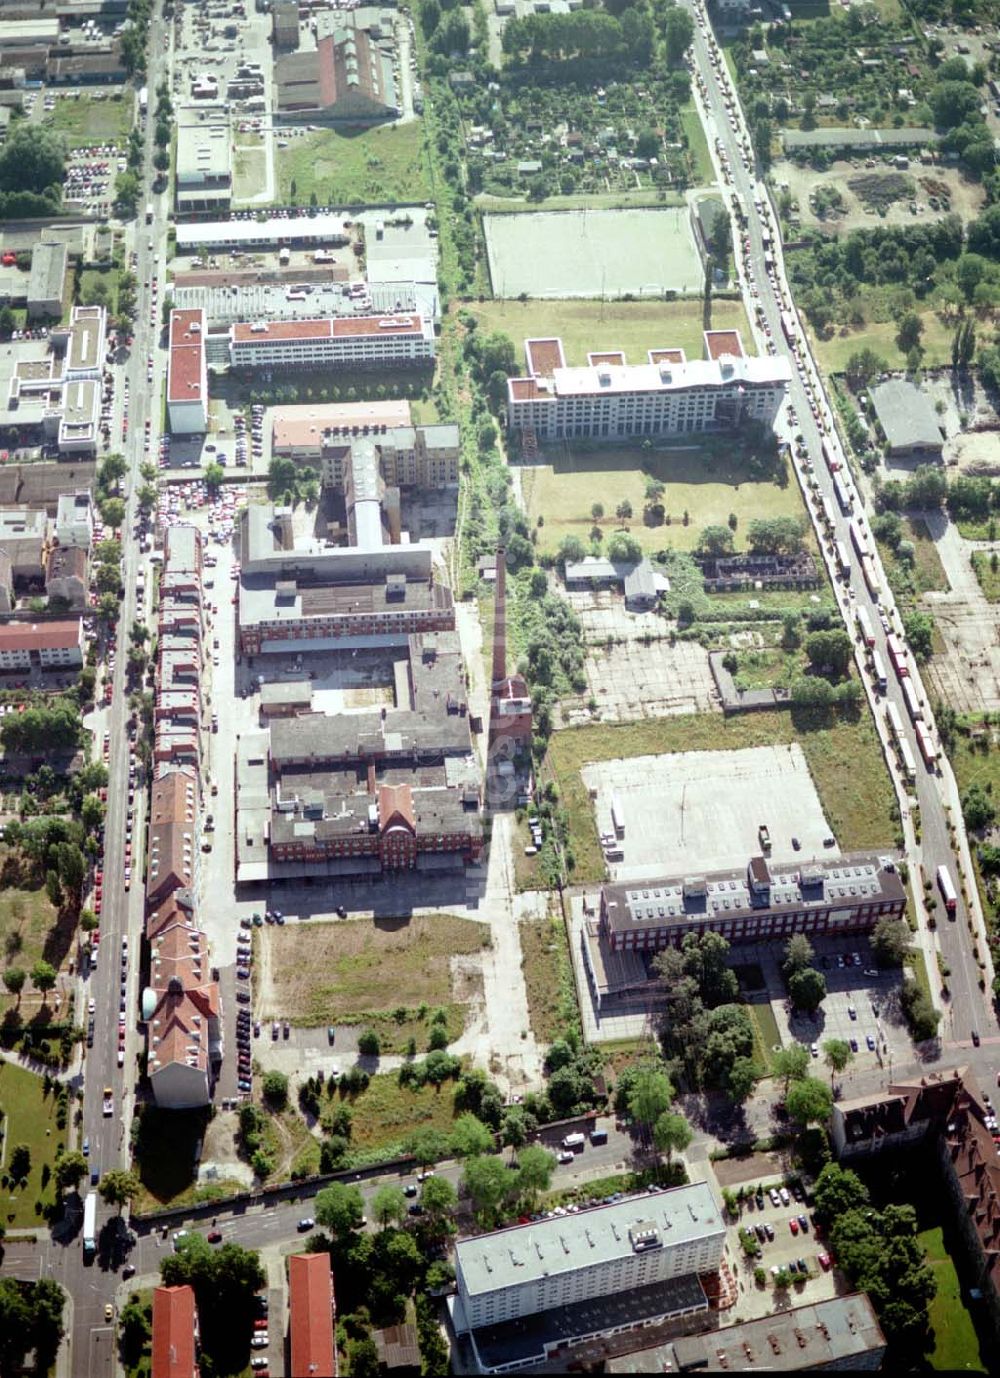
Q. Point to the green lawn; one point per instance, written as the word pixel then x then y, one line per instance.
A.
pixel 881 337
pixel 87 119
pixel 29 1119
pixel 382 166
pixel 956 1345
pixel 859 802
pixel 634 326
pixel 766 1035
pixel 705 482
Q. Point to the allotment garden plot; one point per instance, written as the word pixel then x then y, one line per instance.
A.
pixel 592 253
pixel 700 811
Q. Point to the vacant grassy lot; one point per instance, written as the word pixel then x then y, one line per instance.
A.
pixel 346 972
pixel 384 166
pixel 925 575
pixel 702 172
pixel 705 483
pixel 87 120
pixel 858 802
pixel 956 1345
pixel 881 337
pixel 27 929
pixel 249 173
pixel 383 1117
pixel 635 326
pixel 29 1119
pixel 548 977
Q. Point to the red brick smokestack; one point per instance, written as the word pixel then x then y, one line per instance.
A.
pixel 500 622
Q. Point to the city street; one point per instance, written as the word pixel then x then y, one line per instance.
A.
pixel 936 793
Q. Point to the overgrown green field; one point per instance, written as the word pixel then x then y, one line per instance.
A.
pixel 85 120
pixel 858 801
pixel 29 1119
pixel 383 166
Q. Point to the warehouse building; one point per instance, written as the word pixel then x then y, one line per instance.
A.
pixel 323 231
pixel 527 1293
pixel 347 76
pixel 204 174
pixel 610 399
pixel 187 374
pixel 907 420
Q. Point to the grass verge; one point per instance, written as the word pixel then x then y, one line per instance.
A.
pixel 29 1120
pixel 548 977
pixel 858 803
pixel 987 568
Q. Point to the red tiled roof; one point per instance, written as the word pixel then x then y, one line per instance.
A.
pixel 175 1321
pixel 329 328
pixel 310 1317
pixel 720 342
pixel 41 636
pixel 395 804
pixel 544 356
pixel 187 347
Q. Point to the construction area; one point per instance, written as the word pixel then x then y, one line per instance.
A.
pixel 851 195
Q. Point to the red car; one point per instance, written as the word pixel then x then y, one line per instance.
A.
pixel 824 1261
pixel 214 1237
pixel 793 1225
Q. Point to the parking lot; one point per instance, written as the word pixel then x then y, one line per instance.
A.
pixel 853 983
pixel 788 1244
pixel 717 799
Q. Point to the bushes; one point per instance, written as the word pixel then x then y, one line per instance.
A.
pixel 921 1016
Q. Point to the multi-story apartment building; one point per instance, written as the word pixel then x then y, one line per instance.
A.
pixel 527 1291
pixel 311 1315
pixel 408 456
pixel 175 1333
pixel 54 645
pixel 609 399
pixel 351 341
pixel 187 374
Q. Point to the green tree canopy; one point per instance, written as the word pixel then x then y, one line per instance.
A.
pixel 790 1063
pixel 339 1209
pixel 807 989
pixel 890 942
pixel 809 1101
pixel 388 1205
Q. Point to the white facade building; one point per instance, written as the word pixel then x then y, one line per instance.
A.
pixel 609 399
pixel 75 519
pixel 187 374
pixel 608 1252
pixel 49 645
pixel 347 340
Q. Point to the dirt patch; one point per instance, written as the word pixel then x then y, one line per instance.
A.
pixel 861 193
pixel 340 972
pixel 758 1167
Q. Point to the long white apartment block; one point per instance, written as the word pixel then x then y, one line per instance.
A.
pixel 669 394
pixel 406 337
pixel 558 1261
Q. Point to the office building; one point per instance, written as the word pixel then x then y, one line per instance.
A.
pixel 187 374
pixel 528 1292
pixel 50 390
pixel 311 1315
pixel 348 341
pixel 841 1334
pixel 175 1333
pixel 609 399
pixel 23 539
pixel 47 281
pixel 75 519
pixel 204 172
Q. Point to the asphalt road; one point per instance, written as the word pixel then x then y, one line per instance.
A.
pixel 971 1009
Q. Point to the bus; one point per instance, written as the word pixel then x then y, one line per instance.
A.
pixel 739 208
pixel 897 657
pixel 865 626
pixel 90 1225
pixel 947 887
pixel 788 326
pixel 843 559
pixel 906 756
pixel 878 670
pixel 143 101
pixel 843 495
pixel 912 699
pixel 894 720
pixel 926 744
